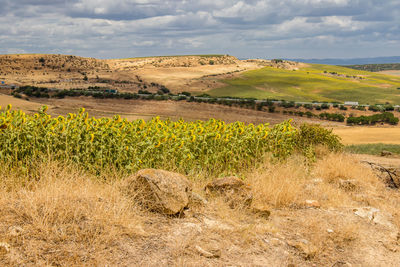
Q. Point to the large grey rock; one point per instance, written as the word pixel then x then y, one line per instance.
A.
pixel 158 190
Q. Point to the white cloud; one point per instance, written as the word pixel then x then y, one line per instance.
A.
pixel 247 28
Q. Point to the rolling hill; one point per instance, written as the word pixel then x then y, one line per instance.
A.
pixel 313 82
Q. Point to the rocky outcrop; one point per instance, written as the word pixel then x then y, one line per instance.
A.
pixel 234 190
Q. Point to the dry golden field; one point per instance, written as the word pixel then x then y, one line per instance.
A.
pixel 368 135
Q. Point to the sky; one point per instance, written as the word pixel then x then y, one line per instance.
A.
pixel 245 29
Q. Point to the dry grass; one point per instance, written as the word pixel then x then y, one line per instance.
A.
pixel 63 216
pixel 368 135
pixel 279 185
pixel 66 218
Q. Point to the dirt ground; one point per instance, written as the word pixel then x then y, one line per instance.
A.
pixel 146 109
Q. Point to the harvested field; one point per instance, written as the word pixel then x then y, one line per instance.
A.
pixel 146 109
pixel 366 135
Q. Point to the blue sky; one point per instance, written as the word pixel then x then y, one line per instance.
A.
pixel 246 29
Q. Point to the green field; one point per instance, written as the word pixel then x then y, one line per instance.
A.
pixel 312 84
pixel 373 149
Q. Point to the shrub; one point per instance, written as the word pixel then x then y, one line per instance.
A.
pixel 324 106
pixel 310 135
pixel 309 106
pixel 271 109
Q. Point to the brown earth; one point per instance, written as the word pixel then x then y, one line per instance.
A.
pixel 147 109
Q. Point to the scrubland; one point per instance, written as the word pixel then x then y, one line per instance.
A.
pixel 62 215
pixel 326 207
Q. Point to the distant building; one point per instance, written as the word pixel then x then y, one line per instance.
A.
pixel 350 103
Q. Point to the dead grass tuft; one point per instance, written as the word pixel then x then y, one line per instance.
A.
pixel 281 184
pixel 66 218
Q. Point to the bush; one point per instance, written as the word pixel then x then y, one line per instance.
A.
pixel 309 106
pixel 324 106
pixel 271 109
pixel 310 135
pixel 375 108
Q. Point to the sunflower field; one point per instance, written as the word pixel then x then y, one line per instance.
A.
pixel 101 143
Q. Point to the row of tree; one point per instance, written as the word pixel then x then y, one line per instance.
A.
pixel 385 117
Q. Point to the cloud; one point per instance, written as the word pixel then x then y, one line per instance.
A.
pixel 252 28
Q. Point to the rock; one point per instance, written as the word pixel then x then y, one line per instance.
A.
pixel 225 184
pixel 317 180
pixel 341 264
pixel 4 248
pixel 312 203
pixel 215 224
pixel 347 185
pixel 306 248
pixel 385 153
pixel 197 199
pixel 261 211
pixel 15 231
pixel 216 253
pixel 329 231
pixel 234 190
pixel 366 212
pixel 158 190
pixel 374 215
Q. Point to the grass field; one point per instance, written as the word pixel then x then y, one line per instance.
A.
pixel 373 149
pixel 311 83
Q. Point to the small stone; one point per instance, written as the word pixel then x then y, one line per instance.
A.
pixel 312 203
pixel 347 185
pixel 208 254
pixel 317 180
pixel 306 248
pixel 262 212
pixel 341 264
pixel 197 199
pixel 15 231
pixel 385 153
pixel 329 231
pixel 4 248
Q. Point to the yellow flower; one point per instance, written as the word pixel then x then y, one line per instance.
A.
pixel 159 143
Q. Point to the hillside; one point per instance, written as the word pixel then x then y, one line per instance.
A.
pixel 217 75
pixel 313 82
pixel 196 73
pixel 130 75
